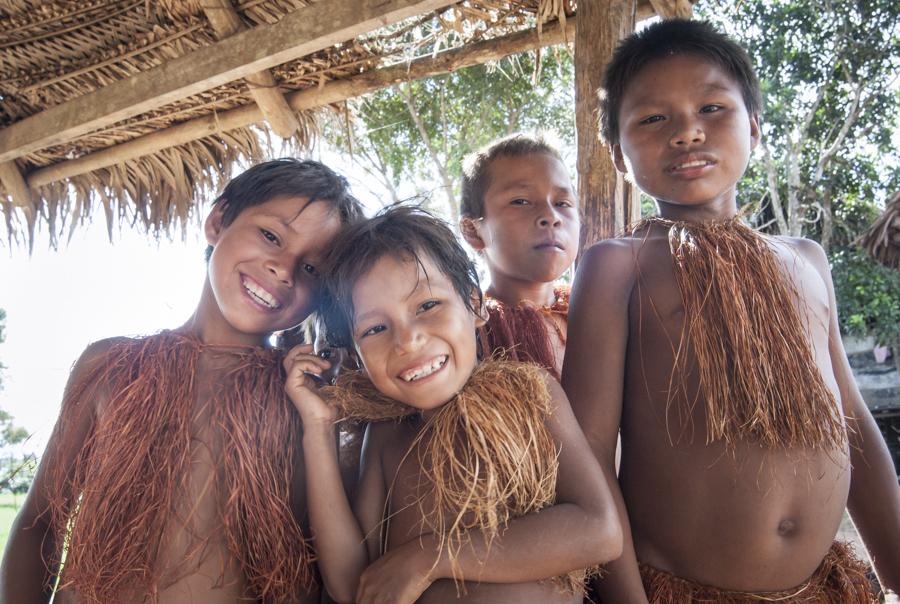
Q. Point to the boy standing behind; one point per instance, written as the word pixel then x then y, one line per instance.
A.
pixel 175 472
pixel 718 356
pixel 519 210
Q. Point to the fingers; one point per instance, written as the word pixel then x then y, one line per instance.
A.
pixel 302 355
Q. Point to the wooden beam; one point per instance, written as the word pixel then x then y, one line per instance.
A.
pixel 673 9
pixel 331 92
pixel 226 22
pixel 298 34
pixel 15 185
pixel 600 26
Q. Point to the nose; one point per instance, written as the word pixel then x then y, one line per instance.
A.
pixel 547 215
pixel 687 132
pixel 281 269
pixel 407 338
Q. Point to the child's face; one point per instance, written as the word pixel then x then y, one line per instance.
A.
pixel 530 227
pixel 263 271
pixel 685 134
pixel 412 331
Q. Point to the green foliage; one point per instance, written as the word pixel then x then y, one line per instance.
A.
pixel 867 296
pixel 815 60
pixel 459 112
pixel 16 472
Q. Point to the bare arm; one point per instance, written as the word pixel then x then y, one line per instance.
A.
pixel 338 537
pixel 874 502
pixel 24 576
pixel 580 531
pixel 593 377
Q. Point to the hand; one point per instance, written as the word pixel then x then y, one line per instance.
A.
pixel 398 577
pixel 304 370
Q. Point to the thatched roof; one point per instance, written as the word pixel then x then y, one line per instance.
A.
pixel 140 108
pixel 882 240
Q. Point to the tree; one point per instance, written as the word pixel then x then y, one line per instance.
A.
pixel 16 471
pixel 828 71
pixel 419 132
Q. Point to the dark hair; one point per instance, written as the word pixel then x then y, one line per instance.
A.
pixel 399 231
pixel 476 167
pixel 288 177
pixel 664 39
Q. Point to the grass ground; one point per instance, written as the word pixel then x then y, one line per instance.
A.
pixel 9 507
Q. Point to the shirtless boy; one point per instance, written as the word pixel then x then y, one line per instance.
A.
pixel 520 212
pixel 175 472
pixel 718 356
pixel 449 488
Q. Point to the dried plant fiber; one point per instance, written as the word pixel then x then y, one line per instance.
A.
pixel 840 579
pixel 128 480
pixel 521 332
pixel 745 338
pixel 490 455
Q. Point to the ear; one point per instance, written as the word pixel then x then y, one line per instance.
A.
pixel 481 316
pixel 471 232
pixel 755 134
pixel 617 157
pixel 214 224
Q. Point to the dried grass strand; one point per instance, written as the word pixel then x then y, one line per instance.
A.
pixel 521 332
pixel 125 486
pixel 744 337
pixel 840 579
pixel 488 453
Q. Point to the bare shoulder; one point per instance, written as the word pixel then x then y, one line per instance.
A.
pixel 808 250
pixel 612 265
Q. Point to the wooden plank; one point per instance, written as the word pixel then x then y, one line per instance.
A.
pixel 226 22
pixel 600 26
pixel 331 92
pixel 673 9
pixel 298 34
pixel 15 185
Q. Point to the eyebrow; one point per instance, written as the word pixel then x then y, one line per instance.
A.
pixel 705 89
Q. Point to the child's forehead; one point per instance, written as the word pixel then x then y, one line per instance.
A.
pixel 529 170
pixel 683 73
pixel 398 277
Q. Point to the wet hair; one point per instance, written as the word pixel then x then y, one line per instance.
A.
pixel 665 39
pixel 288 177
pixel 476 167
pixel 400 231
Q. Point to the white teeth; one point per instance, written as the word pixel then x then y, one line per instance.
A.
pixel 692 164
pixel 424 370
pixel 260 294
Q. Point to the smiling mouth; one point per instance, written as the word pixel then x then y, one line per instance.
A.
pixel 258 294
pixel 425 369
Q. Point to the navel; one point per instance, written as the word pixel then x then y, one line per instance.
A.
pixel 787 528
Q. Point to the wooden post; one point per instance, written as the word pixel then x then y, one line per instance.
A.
pixel 599 27
pixel 15 185
pixel 671 9
pixel 226 22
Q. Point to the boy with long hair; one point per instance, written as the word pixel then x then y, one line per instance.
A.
pixel 719 358
pixel 174 472
pixel 473 472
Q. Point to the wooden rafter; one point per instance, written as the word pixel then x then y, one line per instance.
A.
pixel 298 34
pixel 226 22
pixel 331 92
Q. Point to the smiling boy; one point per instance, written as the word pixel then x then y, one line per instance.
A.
pixel 481 476
pixel 174 473
pixel 520 212
pixel 719 358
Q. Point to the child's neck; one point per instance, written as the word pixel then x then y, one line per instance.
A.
pixel 513 291
pixel 716 210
